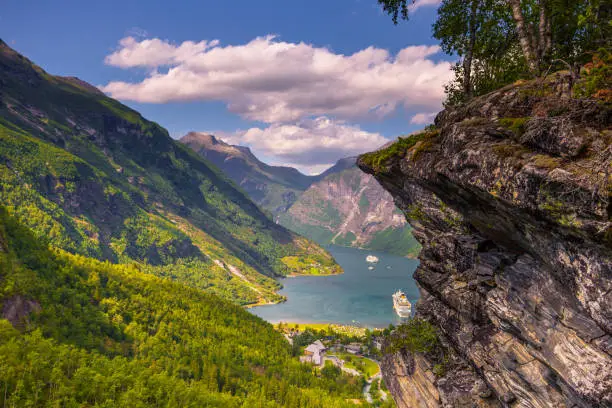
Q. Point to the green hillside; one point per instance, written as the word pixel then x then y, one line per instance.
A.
pixel 95 178
pixel 79 332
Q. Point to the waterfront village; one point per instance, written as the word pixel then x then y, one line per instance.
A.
pixel 351 349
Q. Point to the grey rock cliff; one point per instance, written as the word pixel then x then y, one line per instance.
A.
pixel 510 198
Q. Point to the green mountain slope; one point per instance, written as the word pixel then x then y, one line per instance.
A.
pixel 97 179
pixel 274 188
pixel 75 331
pixel 348 207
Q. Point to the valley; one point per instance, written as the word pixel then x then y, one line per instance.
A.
pixel 341 206
pixel 380 203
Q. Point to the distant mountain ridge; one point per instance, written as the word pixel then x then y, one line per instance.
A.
pixel 274 188
pixel 342 205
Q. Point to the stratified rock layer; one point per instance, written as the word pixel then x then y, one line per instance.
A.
pixel 511 199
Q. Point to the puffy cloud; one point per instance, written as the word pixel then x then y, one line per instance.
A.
pixel 275 81
pixel 154 52
pixel 423 118
pixel 311 145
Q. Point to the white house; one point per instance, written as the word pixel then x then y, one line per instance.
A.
pixel 314 353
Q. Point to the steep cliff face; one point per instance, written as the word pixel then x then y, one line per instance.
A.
pixel 510 197
pixel 348 207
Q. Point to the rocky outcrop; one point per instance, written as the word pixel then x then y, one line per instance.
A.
pixel 510 197
pixel 16 310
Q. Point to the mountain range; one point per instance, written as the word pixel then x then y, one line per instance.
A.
pixel 342 205
pixel 93 177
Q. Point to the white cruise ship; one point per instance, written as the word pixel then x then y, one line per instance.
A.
pixel 401 304
pixel 371 259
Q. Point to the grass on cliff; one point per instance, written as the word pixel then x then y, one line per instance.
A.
pixel 516 125
pixel 379 159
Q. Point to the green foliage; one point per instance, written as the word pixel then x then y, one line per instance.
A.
pixel 546 161
pixel 416 213
pixel 364 203
pixel 317 233
pixel 486 36
pixel 345 239
pixel 110 335
pixel 308 265
pixel 397 241
pixel 364 365
pixel 509 150
pixel 416 336
pixel 330 371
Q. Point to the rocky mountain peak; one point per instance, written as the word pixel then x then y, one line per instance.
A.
pixel 204 139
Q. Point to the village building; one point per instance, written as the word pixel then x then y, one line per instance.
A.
pixel 314 353
pixel 353 348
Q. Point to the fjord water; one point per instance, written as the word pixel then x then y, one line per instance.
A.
pixel 359 296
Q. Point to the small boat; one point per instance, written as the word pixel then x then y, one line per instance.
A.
pixel 371 259
pixel 401 304
pixel 371 268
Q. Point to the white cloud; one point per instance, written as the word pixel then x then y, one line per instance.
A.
pixel 311 145
pixel 423 118
pixel 154 52
pixel 420 3
pixel 275 81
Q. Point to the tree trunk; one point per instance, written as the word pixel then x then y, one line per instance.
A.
pixel 467 61
pixel 544 40
pixel 524 35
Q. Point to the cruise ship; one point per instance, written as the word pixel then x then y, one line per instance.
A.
pixel 371 259
pixel 401 304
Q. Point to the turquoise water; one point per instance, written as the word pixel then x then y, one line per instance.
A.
pixel 358 296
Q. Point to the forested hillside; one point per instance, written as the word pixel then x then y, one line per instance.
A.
pixel 96 178
pixel 81 332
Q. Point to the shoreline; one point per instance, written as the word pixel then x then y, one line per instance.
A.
pixel 337 328
pixel 320 326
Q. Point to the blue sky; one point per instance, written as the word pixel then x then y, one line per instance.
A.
pixel 300 120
